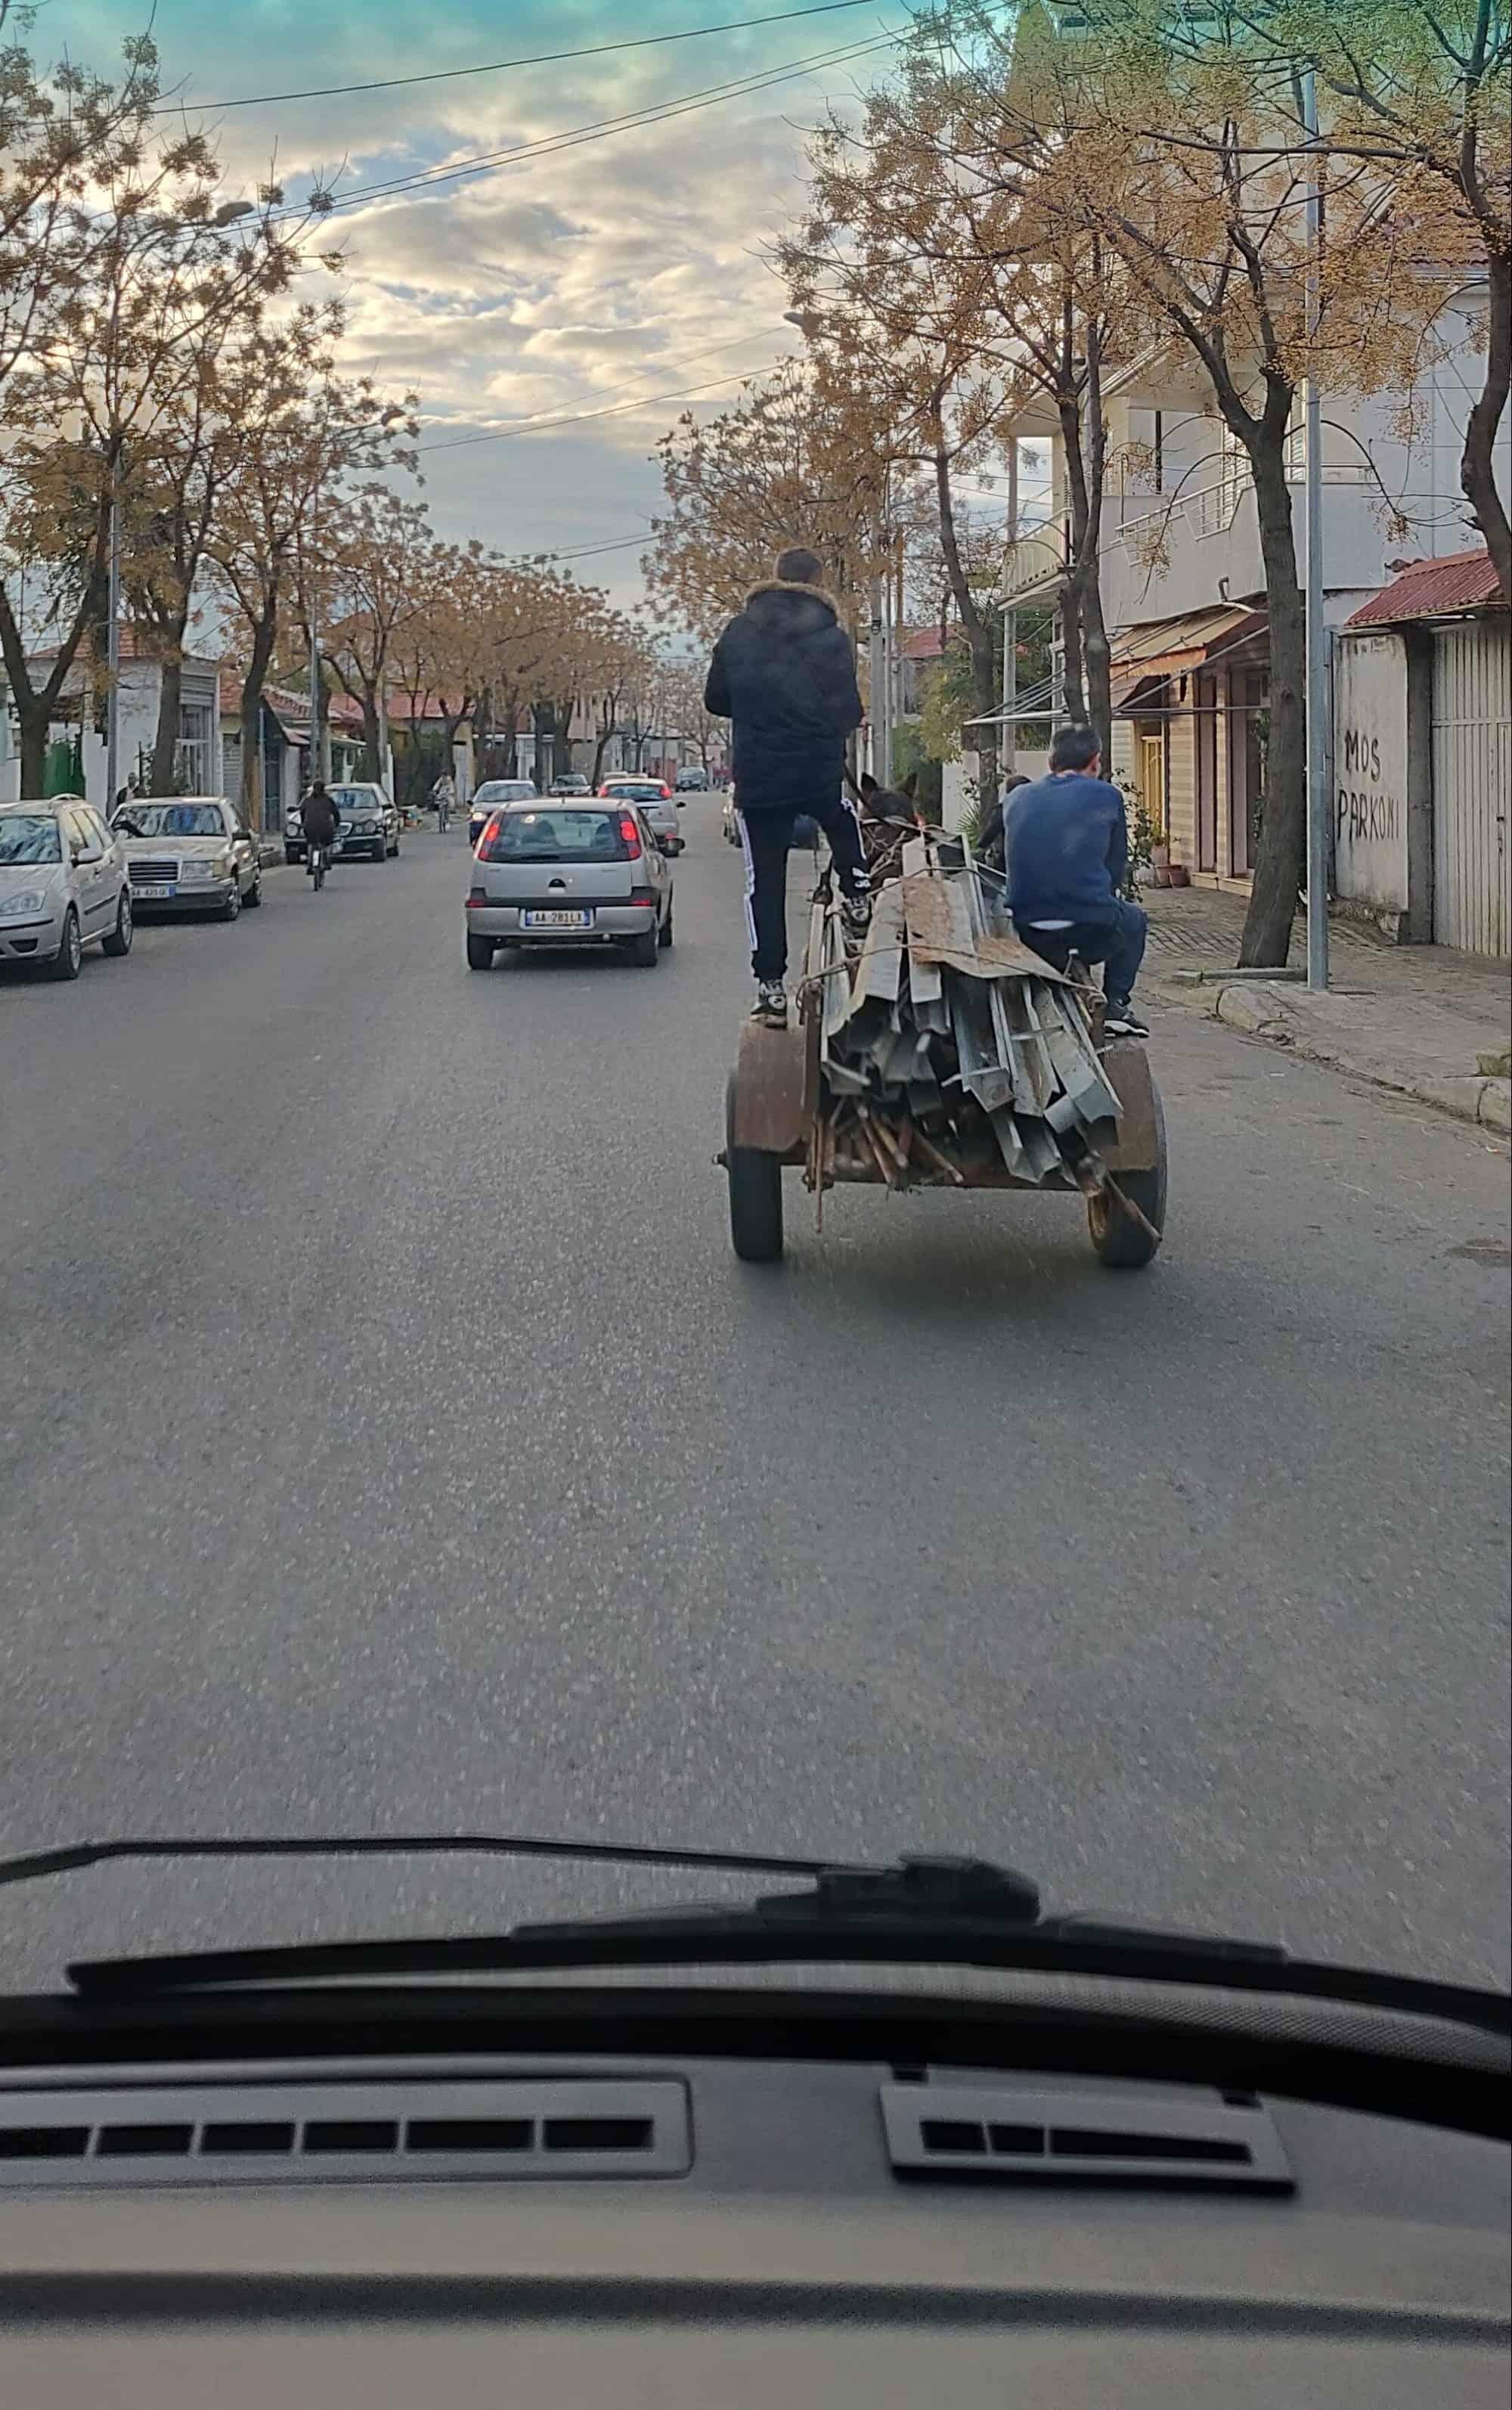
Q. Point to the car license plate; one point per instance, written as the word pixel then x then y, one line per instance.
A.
pixel 557 920
pixel 152 894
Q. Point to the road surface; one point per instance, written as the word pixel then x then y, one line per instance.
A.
pixel 388 1438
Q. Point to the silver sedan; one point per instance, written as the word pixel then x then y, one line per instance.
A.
pixel 64 886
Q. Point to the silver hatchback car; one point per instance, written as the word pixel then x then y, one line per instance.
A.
pixel 569 874
pixel 63 885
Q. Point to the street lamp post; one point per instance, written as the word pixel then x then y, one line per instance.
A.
pixel 1317 702
pixel 112 644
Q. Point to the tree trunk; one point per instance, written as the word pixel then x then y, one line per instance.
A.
pixel 264 634
pixel 34 718
pixel 372 731
pixel 1088 687
pixel 1477 470
pixel 169 695
pixel 1283 837
pixel 984 651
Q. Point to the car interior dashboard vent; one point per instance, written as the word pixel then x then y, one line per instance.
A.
pixel 1070 2133
pixel 321 2131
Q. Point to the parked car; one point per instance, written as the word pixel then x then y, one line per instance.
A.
pixel 63 885
pixel 693 782
pixel 369 824
pixel 189 853
pixel 489 796
pixel 653 797
pixel 571 782
pixel 589 874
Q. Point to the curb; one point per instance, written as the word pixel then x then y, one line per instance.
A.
pixel 1260 1011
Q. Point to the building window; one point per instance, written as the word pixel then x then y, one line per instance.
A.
pixel 193 770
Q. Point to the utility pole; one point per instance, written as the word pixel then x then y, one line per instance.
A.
pixel 112 644
pixel 1318 800
pixel 1008 747
pixel 881 765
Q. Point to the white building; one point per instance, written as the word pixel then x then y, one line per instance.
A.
pixel 1183 584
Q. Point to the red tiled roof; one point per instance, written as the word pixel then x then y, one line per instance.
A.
pixel 1432 590
pixel 286 701
pixel 922 644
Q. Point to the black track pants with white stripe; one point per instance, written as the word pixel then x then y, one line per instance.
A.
pixel 768 837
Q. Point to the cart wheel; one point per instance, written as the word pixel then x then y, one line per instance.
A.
pixel 1121 1243
pixel 755 1194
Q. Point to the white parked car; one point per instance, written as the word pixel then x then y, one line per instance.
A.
pixel 63 885
pixel 189 853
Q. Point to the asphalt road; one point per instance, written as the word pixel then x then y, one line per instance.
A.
pixel 388 1437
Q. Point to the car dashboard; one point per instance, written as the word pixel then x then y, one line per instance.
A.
pixel 706 2230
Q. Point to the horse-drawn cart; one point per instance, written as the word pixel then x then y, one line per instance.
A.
pixel 943 1054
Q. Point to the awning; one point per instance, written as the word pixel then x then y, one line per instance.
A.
pixel 1151 656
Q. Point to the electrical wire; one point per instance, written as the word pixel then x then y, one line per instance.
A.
pixel 599 129
pixel 577 417
pixel 504 66
pixel 519 426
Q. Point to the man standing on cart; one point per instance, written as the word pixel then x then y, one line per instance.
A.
pixel 784 674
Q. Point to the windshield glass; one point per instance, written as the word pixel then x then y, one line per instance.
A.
pixel 171 819
pixel 28 836
pixel 555 837
pixel 953 1293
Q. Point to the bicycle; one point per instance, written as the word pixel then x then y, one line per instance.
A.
pixel 318 865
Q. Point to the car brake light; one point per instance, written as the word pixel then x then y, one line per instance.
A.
pixel 631 836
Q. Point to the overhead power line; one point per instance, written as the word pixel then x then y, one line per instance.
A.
pixel 545 146
pixel 503 66
pixel 577 417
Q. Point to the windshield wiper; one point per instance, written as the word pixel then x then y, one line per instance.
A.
pixel 941 1909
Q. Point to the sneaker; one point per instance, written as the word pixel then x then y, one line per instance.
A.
pixel 1122 1020
pixel 855 914
pixel 770 1007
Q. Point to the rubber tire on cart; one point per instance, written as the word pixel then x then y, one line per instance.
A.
pixel 1120 1244
pixel 68 961
pixel 664 934
pixel 117 943
pixel 480 953
pixel 755 1194
pixel 645 952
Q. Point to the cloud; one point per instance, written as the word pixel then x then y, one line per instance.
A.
pixel 552 285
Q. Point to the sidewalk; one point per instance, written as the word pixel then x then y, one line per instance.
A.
pixel 1417 1019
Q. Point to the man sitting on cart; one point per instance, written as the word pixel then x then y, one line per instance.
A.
pixel 1066 853
pixel 784 674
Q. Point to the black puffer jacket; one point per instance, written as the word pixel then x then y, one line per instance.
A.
pixel 784 673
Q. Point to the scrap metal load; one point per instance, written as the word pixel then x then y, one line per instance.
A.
pixel 949 1053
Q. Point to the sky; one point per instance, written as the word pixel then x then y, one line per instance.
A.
pixel 617 267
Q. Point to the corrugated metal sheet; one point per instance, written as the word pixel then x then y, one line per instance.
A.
pixel 1472 785
pixel 1430 590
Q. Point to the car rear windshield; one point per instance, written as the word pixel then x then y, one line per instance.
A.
pixel 644 793
pixel 171 819
pixel 29 836
pixel 556 837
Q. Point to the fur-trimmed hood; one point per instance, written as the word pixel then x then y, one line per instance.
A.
pixel 782 601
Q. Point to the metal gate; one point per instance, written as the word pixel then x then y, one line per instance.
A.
pixel 1472 781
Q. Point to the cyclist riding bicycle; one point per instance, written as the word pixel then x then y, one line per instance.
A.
pixel 321 821
pixel 443 795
